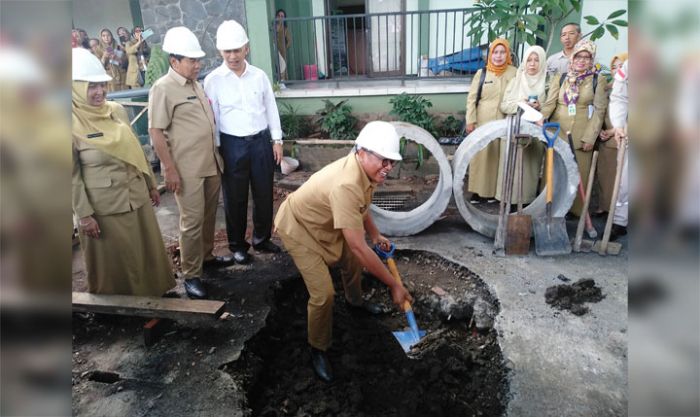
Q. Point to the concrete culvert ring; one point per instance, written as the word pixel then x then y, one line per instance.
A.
pixel 395 223
pixel 566 175
pixel 456 369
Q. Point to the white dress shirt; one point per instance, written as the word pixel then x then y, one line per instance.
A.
pixel 557 64
pixel 242 105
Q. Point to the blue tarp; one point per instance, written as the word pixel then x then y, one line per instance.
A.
pixel 467 60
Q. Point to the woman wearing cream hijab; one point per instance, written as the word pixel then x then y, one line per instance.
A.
pixel 112 186
pixel 528 86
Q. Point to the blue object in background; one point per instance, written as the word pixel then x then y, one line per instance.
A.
pixel 467 60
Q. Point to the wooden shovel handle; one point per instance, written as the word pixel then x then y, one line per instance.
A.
pixel 395 272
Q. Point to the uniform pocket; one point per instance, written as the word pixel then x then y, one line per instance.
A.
pixel 97 182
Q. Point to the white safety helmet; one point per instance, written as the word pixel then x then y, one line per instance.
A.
pixel 380 138
pixel 24 68
pixel 181 41
pixel 87 67
pixel 230 35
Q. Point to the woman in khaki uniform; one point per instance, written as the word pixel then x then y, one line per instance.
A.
pixel 112 56
pixel 112 186
pixel 528 86
pixel 607 149
pixel 577 109
pixel 483 168
pixel 134 49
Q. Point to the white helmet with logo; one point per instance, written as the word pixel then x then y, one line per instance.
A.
pixel 181 41
pixel 381 138
pixel 87 67
pixel 230 35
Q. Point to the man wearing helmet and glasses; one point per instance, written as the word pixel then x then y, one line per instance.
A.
pixel 325 222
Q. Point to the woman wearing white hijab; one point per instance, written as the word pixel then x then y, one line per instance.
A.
pixel 528 86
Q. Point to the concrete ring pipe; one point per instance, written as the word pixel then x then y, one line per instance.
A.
pixel 566 175
pixel 396 223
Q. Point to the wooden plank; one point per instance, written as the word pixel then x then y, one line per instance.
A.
pixel 152 307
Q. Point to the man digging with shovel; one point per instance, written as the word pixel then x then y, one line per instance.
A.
pixel 324 222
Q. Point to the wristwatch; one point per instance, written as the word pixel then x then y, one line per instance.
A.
pixel 276 141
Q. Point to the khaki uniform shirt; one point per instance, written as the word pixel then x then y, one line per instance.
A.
pixel 336 197
pixel 103 184
pixel 179 107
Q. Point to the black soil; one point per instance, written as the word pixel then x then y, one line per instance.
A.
pixel 454 371
pixel 572 297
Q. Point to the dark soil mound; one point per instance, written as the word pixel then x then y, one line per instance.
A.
pixel 454 371
pixel 571 297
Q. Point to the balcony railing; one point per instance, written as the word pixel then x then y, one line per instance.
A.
pixel 399 45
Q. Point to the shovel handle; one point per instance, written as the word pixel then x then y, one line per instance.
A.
pixel 406 306
pixel 549 174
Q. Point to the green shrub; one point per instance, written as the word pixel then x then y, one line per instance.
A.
pixel 293 124
pixel 451 126
pixel 413 109
pixel 337 120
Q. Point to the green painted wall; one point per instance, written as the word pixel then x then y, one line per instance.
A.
pixel 258 15
pixel 442 103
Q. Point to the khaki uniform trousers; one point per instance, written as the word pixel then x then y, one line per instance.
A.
pixel 197 200
pixel 319 284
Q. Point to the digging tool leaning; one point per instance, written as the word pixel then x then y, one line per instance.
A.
pixel 519 227
pixel 410 337
pixel 590 230
pixel 550 232
pixel 581 245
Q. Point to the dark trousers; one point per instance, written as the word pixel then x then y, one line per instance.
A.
pixel 248 162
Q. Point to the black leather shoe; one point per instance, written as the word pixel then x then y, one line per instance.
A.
pixel 617 231
pixel 241 256
pixel 195 288
pixel 371 308
pixel 218 262
pixel 320 363
pixel 267 247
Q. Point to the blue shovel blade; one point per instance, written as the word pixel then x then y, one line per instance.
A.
pixel 408 338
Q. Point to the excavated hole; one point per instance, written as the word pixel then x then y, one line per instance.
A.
pixel 104 377
pixel 456 370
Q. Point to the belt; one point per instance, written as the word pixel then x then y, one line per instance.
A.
pixel 260 134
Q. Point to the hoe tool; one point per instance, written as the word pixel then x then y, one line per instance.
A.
pixel 412 336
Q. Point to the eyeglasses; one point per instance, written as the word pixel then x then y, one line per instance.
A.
pixel 385 161
pixel 583 58
pixel 137 30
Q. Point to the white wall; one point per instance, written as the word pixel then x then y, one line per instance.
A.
pixel 94 15
pixel 607 45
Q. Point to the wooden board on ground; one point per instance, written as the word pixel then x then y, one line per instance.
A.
pixel 153 307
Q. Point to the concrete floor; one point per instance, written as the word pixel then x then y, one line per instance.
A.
pixel 560 364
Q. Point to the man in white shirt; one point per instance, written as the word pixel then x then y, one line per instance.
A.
pixel 250 139
pixel 559 62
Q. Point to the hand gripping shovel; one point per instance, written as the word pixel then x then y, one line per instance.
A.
pixel 550 233
pixel 412 336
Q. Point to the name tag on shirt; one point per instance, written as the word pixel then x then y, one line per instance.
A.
pixel 95 135
pixel 591 108
pixel 572 109
pixel 192 98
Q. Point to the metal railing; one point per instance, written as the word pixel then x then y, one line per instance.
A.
pixel 431 44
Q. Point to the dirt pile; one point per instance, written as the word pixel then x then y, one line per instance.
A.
pixel 571 297
pixel 455 370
